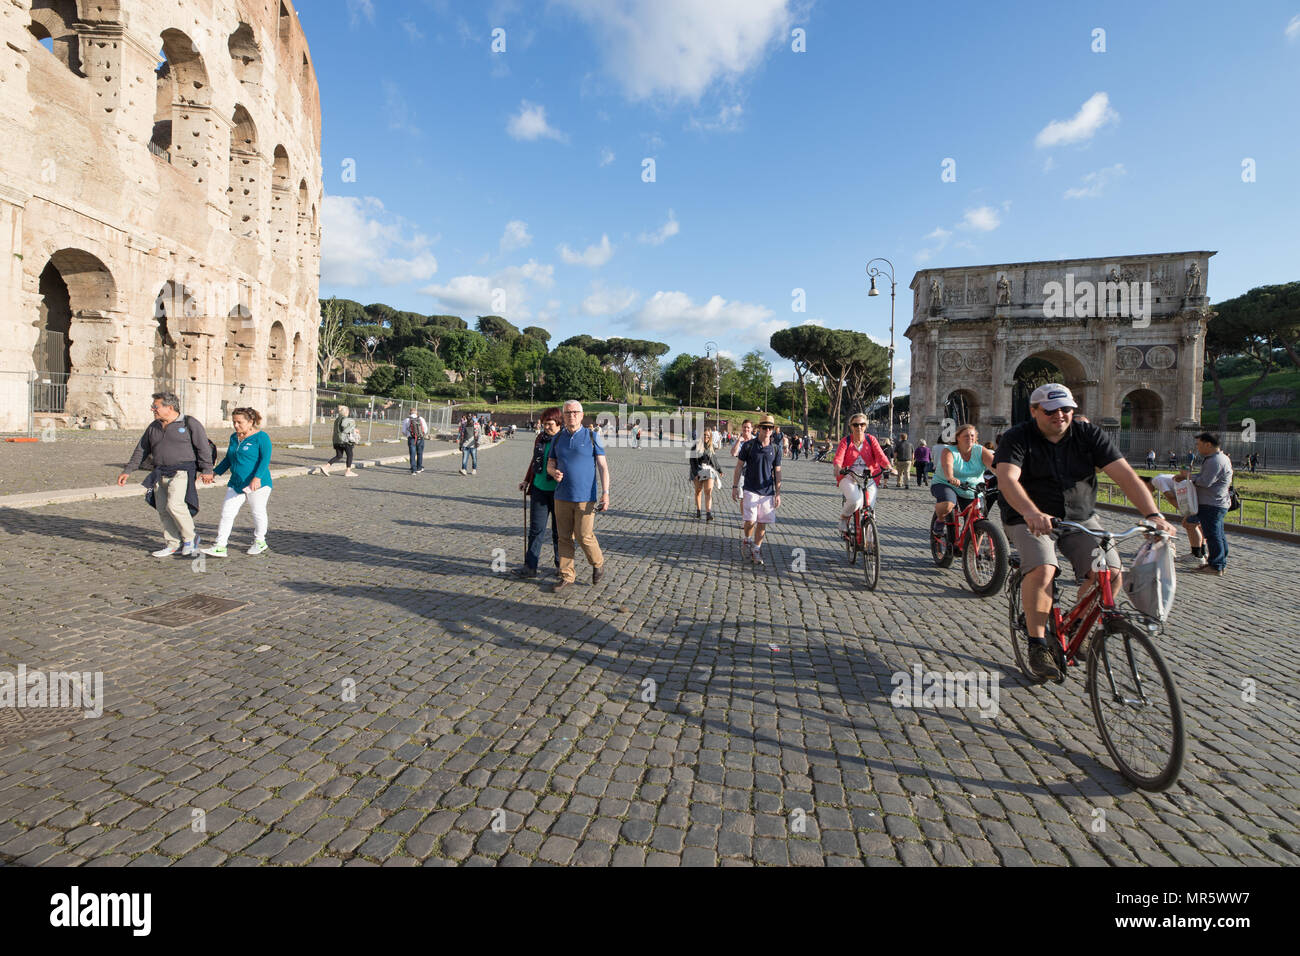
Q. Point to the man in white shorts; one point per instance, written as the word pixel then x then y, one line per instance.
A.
pixel 760 461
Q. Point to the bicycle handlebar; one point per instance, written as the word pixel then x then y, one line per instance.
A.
pixel 1058 524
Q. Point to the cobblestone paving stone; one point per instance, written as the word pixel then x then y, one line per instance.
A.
pixel 495 723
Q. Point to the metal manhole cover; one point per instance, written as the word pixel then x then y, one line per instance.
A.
pixel 23 723
pixel 186 610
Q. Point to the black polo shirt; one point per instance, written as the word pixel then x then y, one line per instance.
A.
pixel 1061 478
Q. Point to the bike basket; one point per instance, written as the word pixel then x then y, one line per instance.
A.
pixel 1150 584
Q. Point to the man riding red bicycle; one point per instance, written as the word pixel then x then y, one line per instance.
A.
pixel 1047 467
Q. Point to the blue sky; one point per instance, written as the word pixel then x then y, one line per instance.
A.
pixel 514 181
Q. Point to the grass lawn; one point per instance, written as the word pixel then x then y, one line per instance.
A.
pixel 1279 491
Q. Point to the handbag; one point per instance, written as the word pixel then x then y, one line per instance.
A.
pixel 1151 583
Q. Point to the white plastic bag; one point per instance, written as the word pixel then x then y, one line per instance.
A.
pixel 1185 492
pixel 1151 582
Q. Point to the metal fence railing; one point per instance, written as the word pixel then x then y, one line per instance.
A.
pixel 380 417
pixel 1253 513
pixel 1278 451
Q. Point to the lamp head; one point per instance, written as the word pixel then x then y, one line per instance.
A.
pixel 874 290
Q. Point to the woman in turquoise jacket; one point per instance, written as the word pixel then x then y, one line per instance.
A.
pixel 249 462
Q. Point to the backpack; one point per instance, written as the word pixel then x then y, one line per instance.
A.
pixel 414 429
pixel 1234 499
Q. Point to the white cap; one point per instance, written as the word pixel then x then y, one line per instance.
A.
pixel 1052 396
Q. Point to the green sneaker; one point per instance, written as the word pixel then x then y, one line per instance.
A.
pixel 216 551
pixel 258 547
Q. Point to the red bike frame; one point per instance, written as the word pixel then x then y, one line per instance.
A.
pixel 857 521
pixel 1098 600
pixel 966 525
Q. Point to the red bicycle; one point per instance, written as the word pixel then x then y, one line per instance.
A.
pixel 1134 701
pixel 980 542
pixel 861 538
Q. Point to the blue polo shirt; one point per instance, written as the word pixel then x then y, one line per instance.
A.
pixel 246 460
pixel 575 455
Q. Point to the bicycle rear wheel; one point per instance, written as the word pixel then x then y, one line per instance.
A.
pixel 870 553
pixel 984 560
pixel 1136 705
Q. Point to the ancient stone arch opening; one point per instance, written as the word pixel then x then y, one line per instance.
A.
pixel 245 174
pixel 306 70
pixel 1040 368
pixel 51 24
pixel 962 406
pixel 245 57
pixel 276 355
pixel 181 97
pixel 281 197
pixel 241 341
pixel 286 23
pixel 299 366
pixel 72 285
pixel 173 306
pixel 1142 410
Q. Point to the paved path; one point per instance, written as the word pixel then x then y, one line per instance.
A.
pixel 493 723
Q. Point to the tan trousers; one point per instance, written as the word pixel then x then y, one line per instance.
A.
pixel 169 499
pixel 577 519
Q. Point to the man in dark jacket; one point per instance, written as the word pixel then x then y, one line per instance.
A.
pixel 181 452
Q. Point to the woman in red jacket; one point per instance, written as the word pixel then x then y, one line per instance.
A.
pixel 859 453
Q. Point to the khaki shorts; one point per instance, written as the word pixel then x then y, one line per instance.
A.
pixel 1036 551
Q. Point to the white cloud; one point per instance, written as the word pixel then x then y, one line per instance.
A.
pixel 608 301
pixel 359 9
pixel 667 313
pixel 530 124
pixel 606 156
pixel 593 256
pixel 412 31
pixel 940 235
pixel 362 245
pixel 1095 113
pixel 1293 28
pixel 663 233
pixel 817 322
pixel 678 49
pixel 981 219
pixel 504 293
pixel 727 120
pixel 1095 183
pixel 1049 164
pixel 516 236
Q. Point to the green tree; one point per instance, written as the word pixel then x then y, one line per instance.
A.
pixel 572 373
pixel 496 328
pixel 427 370
pixel 462 349
pixel 382 380
pixel 803 345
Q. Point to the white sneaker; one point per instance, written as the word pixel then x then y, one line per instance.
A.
pixel 259 546
pixel 325 470
pixel 462 471
pixel 191 547
pixel 473 471
pixel 747 548
pixel 167 552
pixel 754 553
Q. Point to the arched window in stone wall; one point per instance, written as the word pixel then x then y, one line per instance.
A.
pixel 298 369
pixel 51 23
pixel 172 307
pixel 276 355
pixel 286 23
pixel 181 99
pixel 245 174
pixel 245 57
pixel 306 72
pixel 281 200
pixel 301 236
pixel 73 285
pixel 241 343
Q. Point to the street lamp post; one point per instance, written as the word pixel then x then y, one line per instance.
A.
pixel 767 380
pixel 874 271
pixel 717 378
pixel 690 395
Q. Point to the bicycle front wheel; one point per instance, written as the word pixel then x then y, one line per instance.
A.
pixel 870 553
pixel 984 560
pixel 1136 705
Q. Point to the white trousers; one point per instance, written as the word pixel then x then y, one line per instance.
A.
pixel 852 492
pixel 230 508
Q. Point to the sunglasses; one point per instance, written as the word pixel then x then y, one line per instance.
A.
pixel 766 427
pixel 1060 411
pixel 857 424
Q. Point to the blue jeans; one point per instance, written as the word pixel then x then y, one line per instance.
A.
pixel 468 453
pixel 416 448
pixel 541 506
pixel 1210 519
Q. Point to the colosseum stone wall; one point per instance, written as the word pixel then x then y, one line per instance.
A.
pixel 160 197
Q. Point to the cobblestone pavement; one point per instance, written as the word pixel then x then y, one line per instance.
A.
pixel 494 723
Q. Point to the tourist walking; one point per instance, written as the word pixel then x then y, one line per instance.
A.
pixel 903 456
pixel 1173 459
pixel 415 429
pixel 704 472
pixel 1151 459
pixel 921 459
pixel 576 461
pixel 469 436
pixel 1254 462
pixel 759 459
pixel 1213 499
pixel 746 433
pixel 248 459
pixel 180 451
pixel 539 488
pixel 344 439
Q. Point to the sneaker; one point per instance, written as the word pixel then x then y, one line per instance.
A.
pixel 191 547
pixel 1202 560
pixel 258 547
pixel 216 551
pixel 746 547
pixel 167 552
pixel 419 471
pixel 526 572
pixel 325 470
pixel 1042 663
pixel 349 473
pixel 708 516
pixel 1209 569
pixel 473 471
pixel 755 555
pixel 462 471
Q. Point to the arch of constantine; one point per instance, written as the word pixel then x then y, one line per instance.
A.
pixel 160 198
pixel 1125 334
